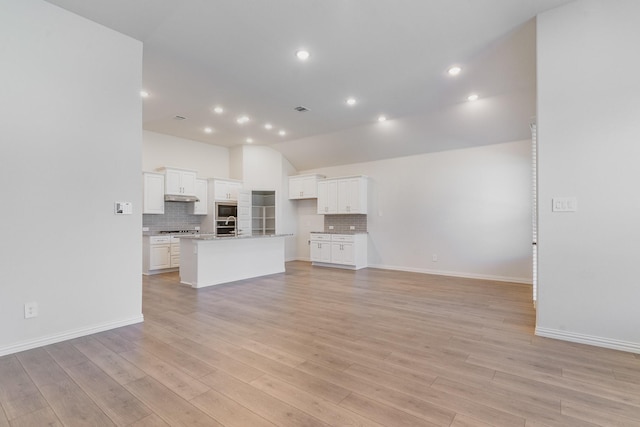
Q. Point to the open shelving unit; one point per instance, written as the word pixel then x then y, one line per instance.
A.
pixel 263 212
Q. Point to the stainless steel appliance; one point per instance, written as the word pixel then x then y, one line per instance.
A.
pixel 226 214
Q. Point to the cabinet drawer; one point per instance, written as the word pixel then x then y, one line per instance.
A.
pixel 321 236
pixel 175 261
pixel 157 240
pixel 342 238
pixel 175 249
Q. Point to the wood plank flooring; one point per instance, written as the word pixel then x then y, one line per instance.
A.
pixel 324 347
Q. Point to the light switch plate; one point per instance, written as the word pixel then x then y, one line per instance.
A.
pixel 564 204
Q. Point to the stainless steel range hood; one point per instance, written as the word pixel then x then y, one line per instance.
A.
pixel 180 198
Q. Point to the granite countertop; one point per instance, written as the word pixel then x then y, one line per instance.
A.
pixel 339 232
pixel 205 236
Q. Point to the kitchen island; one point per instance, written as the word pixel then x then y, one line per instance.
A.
pixel 207 260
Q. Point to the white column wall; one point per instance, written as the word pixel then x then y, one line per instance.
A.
pixel 588 133
pixel 70 118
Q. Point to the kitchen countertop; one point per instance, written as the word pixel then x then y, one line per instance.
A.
pixel 339 232
pixel 205 236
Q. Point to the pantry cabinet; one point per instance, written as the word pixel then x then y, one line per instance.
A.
pixel 342 195
pixel 304 186
pixel 153 193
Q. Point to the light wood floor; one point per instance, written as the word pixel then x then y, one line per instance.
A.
pixel 317 347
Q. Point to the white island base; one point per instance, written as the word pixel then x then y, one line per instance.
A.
pixel 208 262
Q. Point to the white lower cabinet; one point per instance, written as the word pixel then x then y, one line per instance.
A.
pixel 160 253
pixel 339 250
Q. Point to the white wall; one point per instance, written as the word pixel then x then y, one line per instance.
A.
pixel 263 168
pixel 470 207
pixel 70 118
pixel 588 130
pixel 159 150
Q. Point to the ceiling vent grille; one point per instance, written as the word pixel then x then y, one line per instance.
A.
pixel 301 109
pixel 179 118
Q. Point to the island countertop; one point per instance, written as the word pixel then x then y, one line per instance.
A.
pixel 206 236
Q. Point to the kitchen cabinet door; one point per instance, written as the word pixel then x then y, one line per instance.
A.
pixel 320 251
pixel 328 197
pixel 181 182
pixel 153 197
pixel 352 196
pixel 304 186
pixel 342 253
pixel 159 256
pixel 200 208
pixel 226 190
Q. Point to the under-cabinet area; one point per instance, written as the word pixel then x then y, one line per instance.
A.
pixel 339 250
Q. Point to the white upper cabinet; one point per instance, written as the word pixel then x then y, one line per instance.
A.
pixel 180 182
pixel 153 197
pixel 304 186
pixel 200 208
pixel 226 190
pixel 342 196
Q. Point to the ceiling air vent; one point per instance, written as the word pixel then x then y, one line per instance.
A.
pixel 301 109
pixel 179 118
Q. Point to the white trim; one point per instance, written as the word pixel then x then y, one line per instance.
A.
pixel 52 339
pixel 631 347
pixel 523 280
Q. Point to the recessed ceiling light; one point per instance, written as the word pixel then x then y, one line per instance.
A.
pixel 208 130
pixel 242 120
pixel 282 133
pixel 249 140
pixel 268 126
pixel 144 94
pixel 351 101
pixel 218 110
pixel 454 71
pixel 302 55
pixel 382 118
pixel 472 97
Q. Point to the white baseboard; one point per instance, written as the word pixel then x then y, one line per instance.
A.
pixel 632 347
pixel 52 339
pixel 523 280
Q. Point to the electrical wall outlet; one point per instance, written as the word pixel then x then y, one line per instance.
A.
pixel 30 310
pixel 434 258
pixel 331 227
pixel 352 227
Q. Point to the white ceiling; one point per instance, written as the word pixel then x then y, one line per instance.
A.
pixel 392 55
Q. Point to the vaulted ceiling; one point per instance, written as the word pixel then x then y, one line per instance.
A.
pixel 392 56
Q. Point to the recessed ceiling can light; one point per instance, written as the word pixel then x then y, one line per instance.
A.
pixel 282 133
pixel 454 71
pixel 144 94
pixel 268 126
pixel 242 120
pixel 382 118
pixel 472 97
pixel 249 140
pixel 218 110
pixel 302 54
pixel 208 130
pixel 351 101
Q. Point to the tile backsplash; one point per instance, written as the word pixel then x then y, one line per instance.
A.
pixel 177 216
pixel 343 223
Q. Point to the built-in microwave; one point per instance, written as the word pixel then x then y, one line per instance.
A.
pixel 226 213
